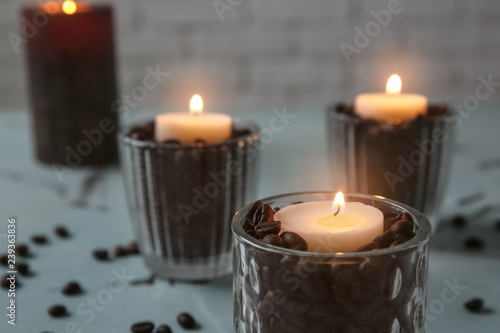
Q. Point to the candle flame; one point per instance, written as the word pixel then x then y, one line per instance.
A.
pixel 69 7
pixel 393 85
pixel 338 206
pixel 196 105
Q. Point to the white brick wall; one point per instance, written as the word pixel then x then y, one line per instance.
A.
pixel 268 53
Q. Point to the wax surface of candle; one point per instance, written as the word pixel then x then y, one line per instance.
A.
pixel 358 225
pixel 187 127
pixel 391 107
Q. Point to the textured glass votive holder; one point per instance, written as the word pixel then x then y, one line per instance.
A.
pixel 282 290
pixel 181 200
pixel 408 162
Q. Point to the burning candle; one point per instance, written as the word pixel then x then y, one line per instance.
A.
pixel 195 125
pixel 391 107
pixel 338 227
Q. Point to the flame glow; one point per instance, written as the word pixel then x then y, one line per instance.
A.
pixel 338 206
pixel 393 84
pixel 51 7
pixel 196 105
pixel 69 7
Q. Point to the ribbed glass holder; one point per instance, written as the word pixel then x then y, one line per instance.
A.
pixel 407 162
pixel 181 200
pixel 282 290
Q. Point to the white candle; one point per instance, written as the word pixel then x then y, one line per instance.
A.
pixel 391 107
pixel 355 224
pixel 192 126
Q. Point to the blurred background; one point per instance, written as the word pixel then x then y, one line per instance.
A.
pixel 266 53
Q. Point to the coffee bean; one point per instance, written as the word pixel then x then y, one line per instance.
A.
pixel 270 227
pixel 475 305
pixel 23 268
pixel 6 282
pixel 255 207
pixel 343 275
pixel 314 287
pixel 57 311
pixel 120 251
pixel 498 225
pixel 293 240
pixel 72 288
pixel 276 209
pixel 388 222
pixel 474 243
pixel 404 216
pixel 295 304
pixel 266 213
pixel 164 329
pixel 273 239
pixel 459 221
pixel 22 250
pixel 385 239
pixel 368 247
pixel 139 133
pixel 248 224
pixel 133 248
pixel 402 227
pixel 61 231
pixel 297 202
pixel 142 327
pixel 186 320
pixel 39 239
pixel 411 235
pixel 100 254
pixel 4 260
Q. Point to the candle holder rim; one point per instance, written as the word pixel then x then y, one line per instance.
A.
pixel 419 240
pixel 250 125
pixel 332 111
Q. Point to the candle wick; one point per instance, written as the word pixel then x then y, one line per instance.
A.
pixel 338 211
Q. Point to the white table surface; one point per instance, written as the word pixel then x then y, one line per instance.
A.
pixel 294 161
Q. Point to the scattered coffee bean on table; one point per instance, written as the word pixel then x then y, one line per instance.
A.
pixel 23 268
pixel 4 259
pixel 57 311
pixel 498 225
pixel 6 282
pixel 459 221
pixel 22 250
pixel 72 288
pixel 474 243
pixel 164 329
pixel 39 239
pixel 120 251
pixel 475 305
pixel 142 327
pixel 186 320
pixel 61 231
pixel 101 254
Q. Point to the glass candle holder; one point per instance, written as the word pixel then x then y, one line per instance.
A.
pixel 72 84
pixel 284 290
pixel 181 200
pixel 408 162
